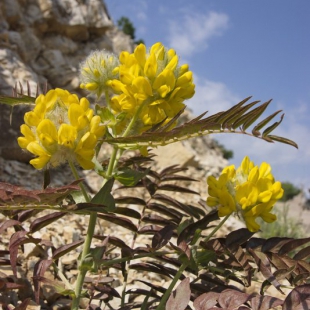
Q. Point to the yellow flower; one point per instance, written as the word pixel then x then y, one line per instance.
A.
pixel 61 128
pixel 97 70
pixel 250 191
pixel 152 83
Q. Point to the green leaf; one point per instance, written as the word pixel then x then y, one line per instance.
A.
pixel 129 177
pixel 104 196
pixel 11 101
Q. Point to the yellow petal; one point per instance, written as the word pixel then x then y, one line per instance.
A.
pixel 39 162
pixel 150 67
pixel 140 54
pixel 67 135
pixel 47 128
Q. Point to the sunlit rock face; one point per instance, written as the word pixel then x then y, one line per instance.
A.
pixel 43 42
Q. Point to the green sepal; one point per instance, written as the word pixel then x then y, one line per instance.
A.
pixel 106 115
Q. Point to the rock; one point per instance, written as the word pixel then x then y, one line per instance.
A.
pixel 44 41
pixel 33 306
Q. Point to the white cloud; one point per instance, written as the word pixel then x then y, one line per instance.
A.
pixel 288 164
pixel 192 31
pixel 211 96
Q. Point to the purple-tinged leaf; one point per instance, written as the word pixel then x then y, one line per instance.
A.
pixel 206 301
pixel 165 210
pixel 231 299
pixel 149 267
pixel 188 233
pixel 265 268
pixel 238 237
pixel 141 292
pixel 292 245
pixel 26 214
pixel 149 229
pixel 181 206
pixel 304 266
pixel 255 243
pixel 274 244
pixel 39 269
pixel 240 257
pixel 8 223
pixel 16 240
pixel 121 221
pixel 211 278
pixel 12 195
pixel 156 219
pixel 128 212
pixel 130 200
pixel 45 220
pixel 180 298
pixel 171 170
pixel 150 186
pixel 102 288
pixel 114 240
pixel 215 245
pixel 303 254
pixel 259 302
pixel 6 285
pixel 162 237
pixel 175 177
pixel 175 188
pixel 277 261
pixel 298 298
pixel 23 305
pixel 5 262
pixel 61 251
pixel 153 286
pixel 88 207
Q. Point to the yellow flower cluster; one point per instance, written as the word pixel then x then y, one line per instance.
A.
pixel 98 68
pixel 61 128
pixel 250 191
pixel 151 83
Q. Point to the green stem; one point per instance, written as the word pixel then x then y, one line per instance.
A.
pixel 133 120
pixel 82 187
pixel 112 163
pixel 87 243
pixel 177 276
pixel 217 228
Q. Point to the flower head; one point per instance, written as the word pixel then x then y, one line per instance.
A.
pixel 153 82
pixel 250 191
pixel 61 128
pixel 97 70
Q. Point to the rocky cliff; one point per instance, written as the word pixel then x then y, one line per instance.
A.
pixel 43 42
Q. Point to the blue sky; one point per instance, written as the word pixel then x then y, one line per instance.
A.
pixel 238 49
